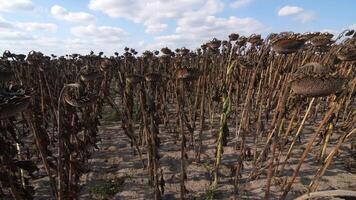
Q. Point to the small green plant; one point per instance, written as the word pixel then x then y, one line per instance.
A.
pixel 210 194
pixel 108 188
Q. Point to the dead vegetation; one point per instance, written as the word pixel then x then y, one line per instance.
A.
pixel 251 96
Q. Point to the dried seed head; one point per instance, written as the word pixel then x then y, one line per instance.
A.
pixel 347 53
pixel 233 36
pixel 134 79
pixel 127 54
pixel 199 52
pixel 287 45
pixel 246 62
pixel 313 68
pixel 322 40
pixel 89 74
pixel 34 57
pixel 9 107
pixel 105 64
pixel 317 86
pixel 166 51
pixel 184 51
pixel 311 34
pixel 133 51
pixel 255 39
pixel 75 55
pixel 20 57
pixel 82 101
pixel 315 80
pixel 153 77
pixel 241 41
pixel 147 54
pixel 7 54
pixel 204 47
pixel 271 37
pixel 224 42
pixel 214 44
pixel 350 32
pixel 187 74
pixel 12 91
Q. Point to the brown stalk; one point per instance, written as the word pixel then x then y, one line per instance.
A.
pixel 334 107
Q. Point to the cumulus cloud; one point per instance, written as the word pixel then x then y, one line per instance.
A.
pixel 77 17
pixel 27 26
pixel 14 36
pixel 23 43
pixel 297 13
pixel 35 26
pixel 195 30
pixel 196 22
pixel 289 10
pixel 215 25
pixel 306 16
pixel 196 19
pixel 100 33
pixel 240 3
pixel 22 37
pixel 155 27
pixel 16 5
pixel 4 24
pixel 152 13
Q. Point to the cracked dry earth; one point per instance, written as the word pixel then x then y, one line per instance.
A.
pixel 116 159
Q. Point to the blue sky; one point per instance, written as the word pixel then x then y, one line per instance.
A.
pixel 78 26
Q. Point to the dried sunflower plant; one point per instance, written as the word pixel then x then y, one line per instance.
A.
pixel 259 107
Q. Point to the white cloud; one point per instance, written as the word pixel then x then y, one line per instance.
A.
pixel 297 13
pixel 21 43
pixel 21 37
pixel 99 33
pixel 192 31
pixel 196 22
pixel 4 24
pixel 155 27
pixel 77 17
pixel 219 26
pixel 240 3
pixel 306 16
pixel 14 35
pixel 35 26
pixel 289 10
pixel 195 19
pixel 27 26
pixel 16 5
pixel 153 13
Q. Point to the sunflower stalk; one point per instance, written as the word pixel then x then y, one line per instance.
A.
pixel 227 107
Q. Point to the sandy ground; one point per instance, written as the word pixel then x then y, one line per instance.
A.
pixel 116 159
